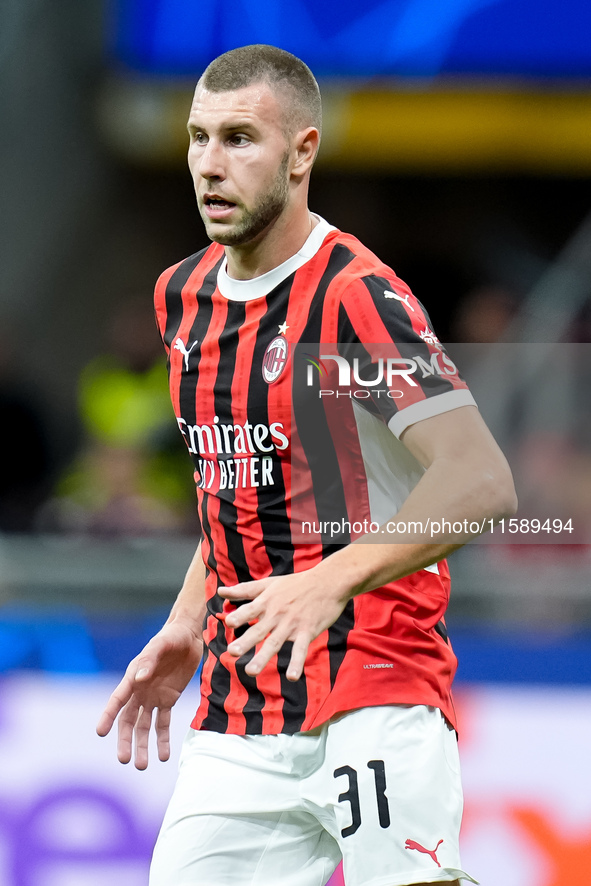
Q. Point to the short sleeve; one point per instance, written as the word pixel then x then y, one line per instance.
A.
pixel 160 307
pixel 396 359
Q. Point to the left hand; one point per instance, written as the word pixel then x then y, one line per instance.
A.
pixel 295 607
pixel 153 682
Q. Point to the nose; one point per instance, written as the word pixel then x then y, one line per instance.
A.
pixel 210 160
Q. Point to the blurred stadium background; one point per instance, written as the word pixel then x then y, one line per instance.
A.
pixel 457 146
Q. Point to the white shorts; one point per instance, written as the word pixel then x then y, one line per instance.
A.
pixel 379 788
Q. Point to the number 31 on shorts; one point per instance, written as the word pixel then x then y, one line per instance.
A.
pixel 352 795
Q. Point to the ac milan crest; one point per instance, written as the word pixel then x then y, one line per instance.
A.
pixel 429 337
pixel 275 359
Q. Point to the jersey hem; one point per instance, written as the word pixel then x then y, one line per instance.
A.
pixel 320 720
pixel 325 716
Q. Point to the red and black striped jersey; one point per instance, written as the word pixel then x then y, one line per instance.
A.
pixel 279 458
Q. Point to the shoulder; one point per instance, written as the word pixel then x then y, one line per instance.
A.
pixel 371 300
pixel 362 259
pixel 171 283
pixel 177 275
pixel 365 274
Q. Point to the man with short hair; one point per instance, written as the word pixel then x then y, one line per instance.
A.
pixel 326 728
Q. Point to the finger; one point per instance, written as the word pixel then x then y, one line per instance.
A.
pixel 299 653
pixel 146 663
pixel 246 590
pixel 270 648
pixel 142 732
pixel 244 615
pixel 163 734
pixel 125 724
pixel 139 669
pixel 250 638
pixel 117 702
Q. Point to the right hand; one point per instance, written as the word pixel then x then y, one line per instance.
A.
pixel 154 679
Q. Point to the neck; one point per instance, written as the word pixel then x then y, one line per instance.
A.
pixel 282 239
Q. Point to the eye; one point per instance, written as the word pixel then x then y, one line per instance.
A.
pixel 197 137
pixel 239 140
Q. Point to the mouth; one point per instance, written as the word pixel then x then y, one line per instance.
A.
pixel 217 207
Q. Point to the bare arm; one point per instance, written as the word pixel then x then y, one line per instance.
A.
pixel 155 679
pixel 189 606
pixel 466 477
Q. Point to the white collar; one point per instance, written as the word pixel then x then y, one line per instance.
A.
pixel 246 290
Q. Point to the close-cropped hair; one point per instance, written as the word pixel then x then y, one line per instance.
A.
pixel 281 70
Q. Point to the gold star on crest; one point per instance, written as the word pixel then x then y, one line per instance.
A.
pixel 283 328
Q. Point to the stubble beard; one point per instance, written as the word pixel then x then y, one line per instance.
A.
pixel 254 221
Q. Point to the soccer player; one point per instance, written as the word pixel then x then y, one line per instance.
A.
pixel 326 728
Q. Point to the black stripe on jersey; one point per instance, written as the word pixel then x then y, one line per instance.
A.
pixel 222 398
pixel 350 347
pixel 397 321
pixel 253 708
pixel 206 527
pixel 173 300
pixel 337 639
pixel 442 631
pixel 295 694
pixel 310 418
pixel 272 510
pixel 217 718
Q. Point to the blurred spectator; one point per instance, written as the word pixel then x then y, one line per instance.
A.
pixel 540 417
pixel 132 476
pixel 484 314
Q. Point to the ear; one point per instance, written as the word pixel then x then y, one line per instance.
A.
pixel 306 144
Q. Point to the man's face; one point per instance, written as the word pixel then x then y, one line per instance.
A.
pixel 239 161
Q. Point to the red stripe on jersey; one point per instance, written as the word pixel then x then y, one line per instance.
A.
pixel 270 681
pixel 235 702
pixel 160 300
pixel 353 471
pixel 317 672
